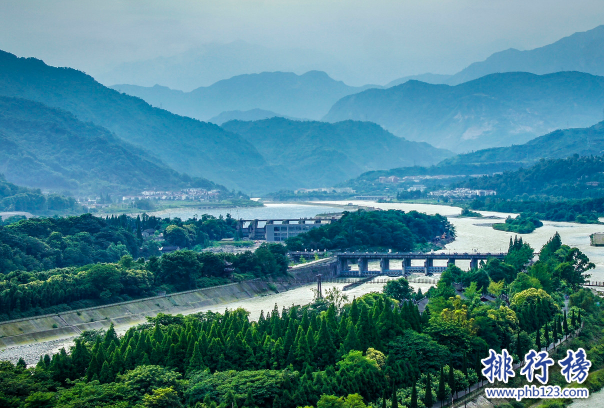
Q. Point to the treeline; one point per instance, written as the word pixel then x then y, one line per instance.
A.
pixel 40 244
pixel 17 198
pixel 581 211
pixel 392 229
pixel 34 293
pixel 329 353
pixel 576 177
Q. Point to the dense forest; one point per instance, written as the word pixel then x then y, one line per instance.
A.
pixel 375 229
pixel 49 291
pixel 49 264
pixel 41 243
pixel 375 350
pixel 17 198
pixel 575 177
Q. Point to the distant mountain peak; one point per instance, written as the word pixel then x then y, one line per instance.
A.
pixel 309 95
pixel 581 51
pixel 498 109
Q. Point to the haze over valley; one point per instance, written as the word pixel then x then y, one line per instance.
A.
pixel 301 204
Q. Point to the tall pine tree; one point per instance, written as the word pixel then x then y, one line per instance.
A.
pixel 441 395
pixel 428 401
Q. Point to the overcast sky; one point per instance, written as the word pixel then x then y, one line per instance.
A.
pixel 378 40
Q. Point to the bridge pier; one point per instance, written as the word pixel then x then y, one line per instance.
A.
pixel 384 265
pixel 450 262
pixel 473 263
pixel 342 266
pixel 252 229
pixel 429 263
pixel 363 265
pixel 406 264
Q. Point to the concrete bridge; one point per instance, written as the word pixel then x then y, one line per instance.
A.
pixel 363 258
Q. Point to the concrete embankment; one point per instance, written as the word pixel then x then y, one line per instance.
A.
pixel 126 314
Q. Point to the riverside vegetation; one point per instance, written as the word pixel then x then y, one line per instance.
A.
pixel 524 223
pixel 49 265
pixel 375 229
pixel 377 350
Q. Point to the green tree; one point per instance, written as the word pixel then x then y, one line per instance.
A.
pixel 180 268
pixel 162 398
pixel 413 403
pixel 441 395
pixel 451 379
pixel 398 289
pixel 394 399
pixel 428 398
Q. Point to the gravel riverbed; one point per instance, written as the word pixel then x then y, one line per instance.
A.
pixel 31 352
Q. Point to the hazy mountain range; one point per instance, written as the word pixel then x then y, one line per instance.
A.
pixel 320 154
pixel 186 145
pixel 559 144
pixel 249 115
pixel 582 51
pixel 211 63
pixel 306 96
pixel 495 110
pixel 118 141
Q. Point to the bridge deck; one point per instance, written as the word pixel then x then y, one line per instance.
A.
pixel 406 255
pixel 419 255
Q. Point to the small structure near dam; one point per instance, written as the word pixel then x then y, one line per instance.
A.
pixel 278 230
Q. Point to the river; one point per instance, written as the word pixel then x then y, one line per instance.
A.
pixel 473 234
pixel 269 211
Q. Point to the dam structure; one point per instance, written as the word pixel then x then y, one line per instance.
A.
pixel 343 260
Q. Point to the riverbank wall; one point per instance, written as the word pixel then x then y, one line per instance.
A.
pixel 127 314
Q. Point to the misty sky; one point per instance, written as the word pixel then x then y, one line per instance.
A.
pixel 377 40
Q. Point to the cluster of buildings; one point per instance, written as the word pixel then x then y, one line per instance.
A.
pixel 391 179
pixel 187 194
pixel 324 190
pixel 415 179
pixel 462 193
pixel 92 203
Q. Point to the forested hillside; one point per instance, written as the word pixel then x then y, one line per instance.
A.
pixel 49 264
pixel 186 145
pixel 536 178
pixel 558 144
pixel 573 178
pixel 495 110
pixel 318 154
pixel 377 349
pixel 50 148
